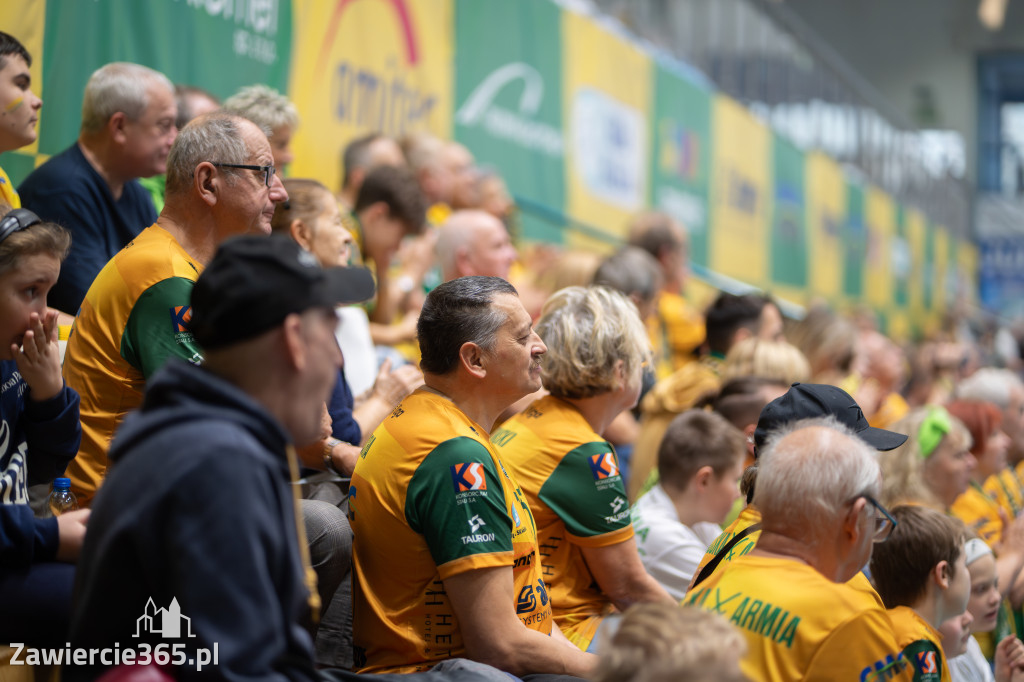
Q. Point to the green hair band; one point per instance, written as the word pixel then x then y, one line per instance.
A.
pixel 935 425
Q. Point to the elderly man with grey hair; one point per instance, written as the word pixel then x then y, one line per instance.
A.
pixel 790 597
pixel 220 182
pixel 474 243
pixel 91 188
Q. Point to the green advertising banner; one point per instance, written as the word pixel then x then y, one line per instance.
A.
pixel 854 242
pixel 788 239
pixel 508 103
pixel 219 45
pixel 901 261
pixel 681 153
pixel 929 268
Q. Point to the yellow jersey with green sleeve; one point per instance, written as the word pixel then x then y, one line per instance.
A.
pixel 134 316
pixel 1005 489
pixel 980 513
pixel 8 195
pixel 430 499
pixel 571 479
pixel 799 625
pixel 748 517
pixel 921 645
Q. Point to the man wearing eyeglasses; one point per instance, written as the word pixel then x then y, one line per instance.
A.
pixel 92 188
pixel 220 182
pixel 816 489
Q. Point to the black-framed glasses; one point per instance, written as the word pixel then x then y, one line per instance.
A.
pixel 16 220
pixel 884 522
pixel 268 171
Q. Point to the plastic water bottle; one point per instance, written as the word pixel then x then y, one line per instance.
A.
pixel 61 498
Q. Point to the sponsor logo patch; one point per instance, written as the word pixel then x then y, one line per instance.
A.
pixel 468 476
pixel 604 466
pixel 181 315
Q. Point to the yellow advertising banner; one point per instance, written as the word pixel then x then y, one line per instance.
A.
pixel 740 193
pixel 607 96
pixel 26 21
pixel 360 66
pixel 916 226
pixel 942 282
pixel 826 211
pixel 967 271
pixel 880 220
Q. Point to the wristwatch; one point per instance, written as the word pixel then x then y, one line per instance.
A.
pixel 329 445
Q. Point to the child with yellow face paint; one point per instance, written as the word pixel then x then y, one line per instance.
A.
pixel 19 107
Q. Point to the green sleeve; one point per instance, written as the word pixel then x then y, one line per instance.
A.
pixel 158 327
pixel 456 502
pixel 925 659
pixel 586 491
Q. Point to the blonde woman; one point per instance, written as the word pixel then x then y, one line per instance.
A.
pixel 597 346
pixel 778 360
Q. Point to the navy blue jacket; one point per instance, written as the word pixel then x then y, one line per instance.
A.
pixel 37 440
pixel 197 508
pixel 67 190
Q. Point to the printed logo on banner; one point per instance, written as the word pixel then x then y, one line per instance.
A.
pixel 518 127
pixel 380 94
pixel 609 154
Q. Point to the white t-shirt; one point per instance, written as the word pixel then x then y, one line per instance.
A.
pixel 669 550
pixel 353 335
pixel 970 666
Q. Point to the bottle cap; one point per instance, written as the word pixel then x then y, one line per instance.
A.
pixel 63 483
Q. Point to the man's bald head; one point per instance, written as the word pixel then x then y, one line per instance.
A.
pixel 473 242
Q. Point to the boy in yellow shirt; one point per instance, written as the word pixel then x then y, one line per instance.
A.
pixel 921 575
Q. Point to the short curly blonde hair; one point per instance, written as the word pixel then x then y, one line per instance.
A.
pixel 588 330
pixel 778 360
pixel 264 106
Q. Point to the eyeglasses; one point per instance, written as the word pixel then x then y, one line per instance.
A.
pixel 884 522
pixel 16 220
pixel 268 171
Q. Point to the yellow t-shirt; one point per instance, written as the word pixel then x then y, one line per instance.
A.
pixel 921 645
pixel 676 332
pixel 980 513
pixel 1005 489
pixel 8 194
pixel 134 316
pixel 799 625
pixel 570 477
pixel 748 517
pixel 891 410
pixel 430 499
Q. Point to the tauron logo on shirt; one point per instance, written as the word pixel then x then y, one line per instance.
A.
pixel 603 466
pixel 181 315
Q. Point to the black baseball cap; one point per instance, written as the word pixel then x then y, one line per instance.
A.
pixel 807 401
pixel 255 281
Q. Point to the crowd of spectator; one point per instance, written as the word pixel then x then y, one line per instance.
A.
pixel 370 430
